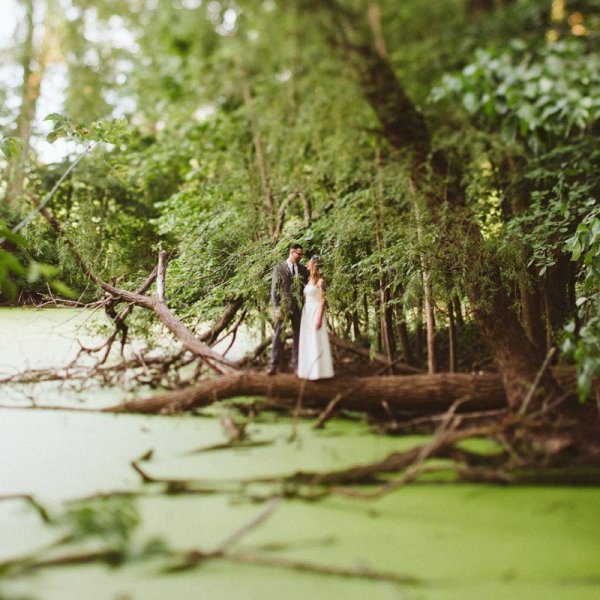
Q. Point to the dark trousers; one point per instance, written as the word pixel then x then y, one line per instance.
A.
pixel 278 338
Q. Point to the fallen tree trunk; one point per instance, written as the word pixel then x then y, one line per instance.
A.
pixel 434 392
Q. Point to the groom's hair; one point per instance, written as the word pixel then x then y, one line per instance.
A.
pixel 296 247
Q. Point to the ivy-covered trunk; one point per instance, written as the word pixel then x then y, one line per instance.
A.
pixel 558 291
pixel 405 129
pixel 532 312
pixel 517 358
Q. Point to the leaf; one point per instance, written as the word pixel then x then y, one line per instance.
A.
pixel 545 85
pixel 47 270
pixel 9 288
pixel 10 147
pixel 37 270
pixel 52 136
pixel 61 288
pixel 509 131
pixel 470 102
pixel 11 263
pixel 55 118
pixel 584 384
pixel 14 238
pixel 33 273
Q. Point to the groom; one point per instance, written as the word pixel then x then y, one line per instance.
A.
pixel 287 285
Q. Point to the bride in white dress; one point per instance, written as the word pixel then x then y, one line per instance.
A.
pixel 314 353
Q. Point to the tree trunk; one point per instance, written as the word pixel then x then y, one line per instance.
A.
pixel 416 393
pixel 156 304
pixel 429 314
pixel 354 316
pixel 377 325
pixel 387 322
pixel 403 330
pixel 419 332
pixel 30 92
pixel 458 310
pixel 406 131
pixel 517 359
pixel 423 393
pixel 451 339
pixel 532 314
pixel 229 313
pixel 558 301
pixel 430 319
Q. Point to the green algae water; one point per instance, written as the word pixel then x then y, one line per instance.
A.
pixel 440 541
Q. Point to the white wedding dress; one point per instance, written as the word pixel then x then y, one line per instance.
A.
pixel 314 354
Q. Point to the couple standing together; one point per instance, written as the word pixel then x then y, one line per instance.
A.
pixel 298 296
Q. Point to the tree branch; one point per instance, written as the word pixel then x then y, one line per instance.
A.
pixel 213 359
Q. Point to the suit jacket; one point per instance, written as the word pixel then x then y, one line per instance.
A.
pixel 285 292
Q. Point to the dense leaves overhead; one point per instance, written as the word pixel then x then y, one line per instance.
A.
pixel 225 112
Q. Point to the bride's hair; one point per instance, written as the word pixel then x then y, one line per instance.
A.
pixel 314 268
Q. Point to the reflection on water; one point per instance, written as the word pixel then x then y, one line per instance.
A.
pixel 460 541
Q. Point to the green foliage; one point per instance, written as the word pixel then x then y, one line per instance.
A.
pixel 539 96
pixel 12 267
pixel 534 109
pixel 111 523
pixel 101 529
pixel 203 94
pixel 10 146
pixel 583 343
pixel 98 206
pixel 564 187
pixel 9 264
pixel 111 519
pixel 36 249
pixel 112 131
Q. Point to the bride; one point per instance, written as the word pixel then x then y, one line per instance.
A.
pixel 314 354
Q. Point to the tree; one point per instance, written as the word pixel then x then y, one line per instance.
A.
pixel 407 134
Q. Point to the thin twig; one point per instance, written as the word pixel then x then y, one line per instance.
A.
pixel 485 414
pixel 47 199
pixel 262 516
pixel 328 411
pixel 310 567
pixel 41 510
pixel 536 381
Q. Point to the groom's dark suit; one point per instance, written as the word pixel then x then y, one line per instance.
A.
pixel 286 295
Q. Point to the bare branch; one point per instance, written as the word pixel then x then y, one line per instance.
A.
pixel 213 359
pixel 161 275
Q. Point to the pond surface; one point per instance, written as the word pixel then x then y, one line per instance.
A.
pixel 453 541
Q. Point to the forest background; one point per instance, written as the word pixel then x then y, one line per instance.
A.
pixel 440 156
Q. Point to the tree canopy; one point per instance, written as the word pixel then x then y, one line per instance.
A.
pixel 439 156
